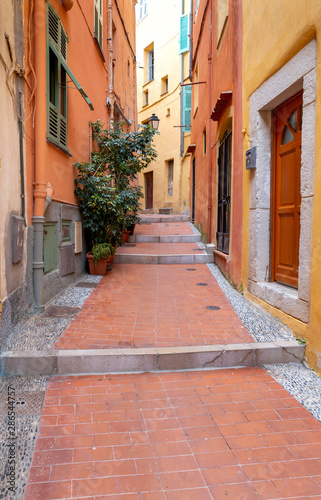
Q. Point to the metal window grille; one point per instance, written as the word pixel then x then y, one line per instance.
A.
pixel 224 193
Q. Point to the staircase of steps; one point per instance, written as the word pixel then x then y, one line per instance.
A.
pixel 167 239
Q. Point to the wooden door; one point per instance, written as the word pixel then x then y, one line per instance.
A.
pixel 286 195
pixel 149 190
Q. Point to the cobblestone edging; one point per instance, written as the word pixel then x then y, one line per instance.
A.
pixel 40 332
pixel 260 324
pixel 301 382
pixel 28 395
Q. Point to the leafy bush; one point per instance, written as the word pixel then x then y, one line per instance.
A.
pixel 105 187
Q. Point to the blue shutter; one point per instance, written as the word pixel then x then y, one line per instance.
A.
pixel 184 32
pixel 187 108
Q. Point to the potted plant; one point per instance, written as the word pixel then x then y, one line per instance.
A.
pixel 106 187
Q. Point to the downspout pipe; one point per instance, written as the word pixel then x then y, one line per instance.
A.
pixel 110 63
pixel 209 140
pixel 39 193
pixel 182 81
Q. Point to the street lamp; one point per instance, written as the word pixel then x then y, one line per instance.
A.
pixel 153 121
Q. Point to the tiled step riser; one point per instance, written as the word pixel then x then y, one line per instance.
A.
pixel 100 361
pixel 188 238
pixel 163 259
pixel 168 218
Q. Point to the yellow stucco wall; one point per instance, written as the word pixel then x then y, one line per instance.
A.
pixel 273 32
pixel 167 62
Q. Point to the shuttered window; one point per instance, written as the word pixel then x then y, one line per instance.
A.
pixel 58 73
pixel 187 107
pixel 98 27
pixel 184 34
pixel 57 79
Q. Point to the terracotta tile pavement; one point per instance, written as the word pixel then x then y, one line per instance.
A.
pixel 138 305
pixel 182 435
pixel 162 229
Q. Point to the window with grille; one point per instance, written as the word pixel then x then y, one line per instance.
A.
pixel 98 23
pixel 224 193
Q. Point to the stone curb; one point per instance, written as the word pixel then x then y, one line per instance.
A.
pixel 200 258
pixel 187 238
pixel 168 218
pixel 99 361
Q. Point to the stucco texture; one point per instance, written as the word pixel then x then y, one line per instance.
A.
pixel 268 44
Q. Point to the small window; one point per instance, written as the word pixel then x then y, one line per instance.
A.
pixel 187 107
pixel 164 85
pixel 142 9
pixel 66 231
pixel 151 64
pixel 204 142
pixel 170 177
pixel 145 98
pixel 98 26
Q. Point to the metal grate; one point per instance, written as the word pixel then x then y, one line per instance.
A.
pixel 197 249
pixel 26 404
pixel 130 244
pixel 86 284
pixel 61 311
pixel 190 269
pixel 213 308
pixel 201 284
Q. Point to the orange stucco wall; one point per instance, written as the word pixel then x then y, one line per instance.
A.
pixel 87 65
pixel 220 66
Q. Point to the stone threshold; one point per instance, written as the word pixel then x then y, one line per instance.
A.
pixel 126 360
pixel 128 258
pixel 186 238
pixel 147 219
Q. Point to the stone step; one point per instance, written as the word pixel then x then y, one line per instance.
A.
pixel 100 361
pixel 174 238
pixel 148 219
pixel 199 258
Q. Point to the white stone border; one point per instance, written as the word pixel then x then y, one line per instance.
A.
pixel 298 74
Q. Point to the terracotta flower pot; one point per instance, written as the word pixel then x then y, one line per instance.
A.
pixel 101 266
pixel 125 236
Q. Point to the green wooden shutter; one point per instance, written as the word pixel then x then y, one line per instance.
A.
pixel 50 247
pixel 184 34
pixel 187 107
pixel 56 48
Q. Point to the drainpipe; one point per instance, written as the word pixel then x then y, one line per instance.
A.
pixel 39 152
pixel 110 63
pixel 209 140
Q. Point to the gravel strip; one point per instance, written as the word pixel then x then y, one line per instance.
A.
pixel 37 332
pixel 30 391
pixel 260 324
pixel 301 382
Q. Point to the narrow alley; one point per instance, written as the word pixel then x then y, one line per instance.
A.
pixel 160 250
pixel 212 434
